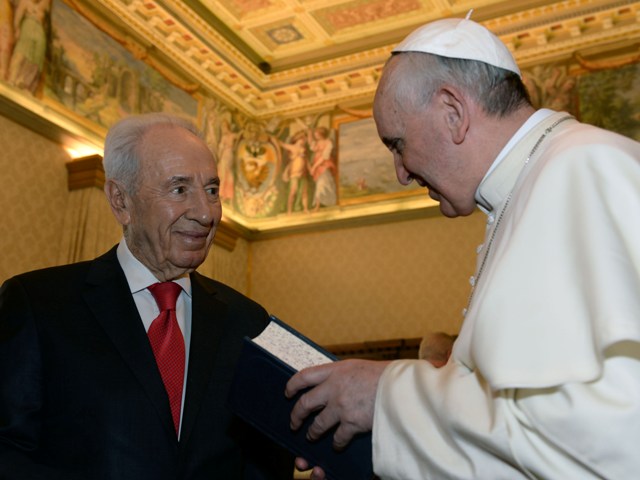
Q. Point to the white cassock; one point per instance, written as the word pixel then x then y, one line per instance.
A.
pixel 544 379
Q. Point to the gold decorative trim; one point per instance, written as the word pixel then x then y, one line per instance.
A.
pixel 85 172
pixel 226 236
pixel 595 65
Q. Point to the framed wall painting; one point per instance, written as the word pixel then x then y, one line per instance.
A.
pixel 366 170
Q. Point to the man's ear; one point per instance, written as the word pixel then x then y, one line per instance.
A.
pixel 456 112
pixel 118 201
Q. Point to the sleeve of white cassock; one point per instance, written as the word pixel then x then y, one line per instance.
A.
pixel 447 424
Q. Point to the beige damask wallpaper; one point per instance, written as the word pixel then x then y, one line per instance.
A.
pixel 395 280
pixel 229 267
pixel 33 199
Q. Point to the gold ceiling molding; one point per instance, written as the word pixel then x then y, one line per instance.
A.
pixel 559 31
pixel 595 65
pixel 540 32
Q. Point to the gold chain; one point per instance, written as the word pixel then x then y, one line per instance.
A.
pixel 506 204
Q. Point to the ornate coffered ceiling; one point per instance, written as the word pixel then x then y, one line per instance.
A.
pixel 284 57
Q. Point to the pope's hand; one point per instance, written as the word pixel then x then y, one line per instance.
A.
pixel 343 392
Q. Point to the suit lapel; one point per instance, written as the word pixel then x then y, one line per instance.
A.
pixel 207 325
pixel 109 298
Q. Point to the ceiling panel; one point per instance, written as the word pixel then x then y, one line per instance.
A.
pixel 282 34
pixel 283 57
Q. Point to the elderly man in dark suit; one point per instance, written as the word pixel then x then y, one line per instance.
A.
pixel 118 368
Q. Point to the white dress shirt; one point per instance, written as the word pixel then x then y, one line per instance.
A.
pixel 140 278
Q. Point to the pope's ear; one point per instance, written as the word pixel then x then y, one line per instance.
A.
pixel 118 201
pixel 456 112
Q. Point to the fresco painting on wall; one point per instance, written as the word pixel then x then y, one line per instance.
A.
pixel 24 33
pixel 257 163
pixel 611 99
pixel 551 86
pixel 285 168
pixel 366 165
pixel 323 167
pixel 277 169
pixel 295 174
pixel 269 169
pixel 221 131
pixel 95 77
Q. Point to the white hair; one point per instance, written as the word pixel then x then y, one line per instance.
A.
pixel 419 75
pixel 121 161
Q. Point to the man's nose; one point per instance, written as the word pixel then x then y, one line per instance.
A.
pixel 404 177
pixel 202 207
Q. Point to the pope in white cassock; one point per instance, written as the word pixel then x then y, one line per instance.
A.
pixel 544 379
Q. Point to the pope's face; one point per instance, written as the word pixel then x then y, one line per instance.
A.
pixel 171 218
pixel 423 150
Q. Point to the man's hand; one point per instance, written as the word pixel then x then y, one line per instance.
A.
pixel 316 473
pixel 345 392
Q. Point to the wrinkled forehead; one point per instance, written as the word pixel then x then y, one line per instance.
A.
pixel 388 72
pixel 163 139
pixel 161 134
pixel 175 147
pixel 385 99
pixel 388 117
pixel 383 105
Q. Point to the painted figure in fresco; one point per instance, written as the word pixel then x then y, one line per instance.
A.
pixel 323 168
pixel 253 157
pixel 550 86
pixel 257 160
pixel 296 171
pixel 6 37
pixel 225 160
pixel 27 61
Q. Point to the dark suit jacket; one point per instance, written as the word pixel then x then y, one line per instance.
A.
pixel 81 396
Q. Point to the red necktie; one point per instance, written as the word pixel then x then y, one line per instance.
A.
pixel 168 344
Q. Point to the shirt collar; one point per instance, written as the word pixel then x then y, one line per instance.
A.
pixel 484 199
pixel 138 275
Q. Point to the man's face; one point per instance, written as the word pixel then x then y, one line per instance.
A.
pixel 423 150
pixel 172 216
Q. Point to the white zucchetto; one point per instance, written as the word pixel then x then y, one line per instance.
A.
pixel 460 38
